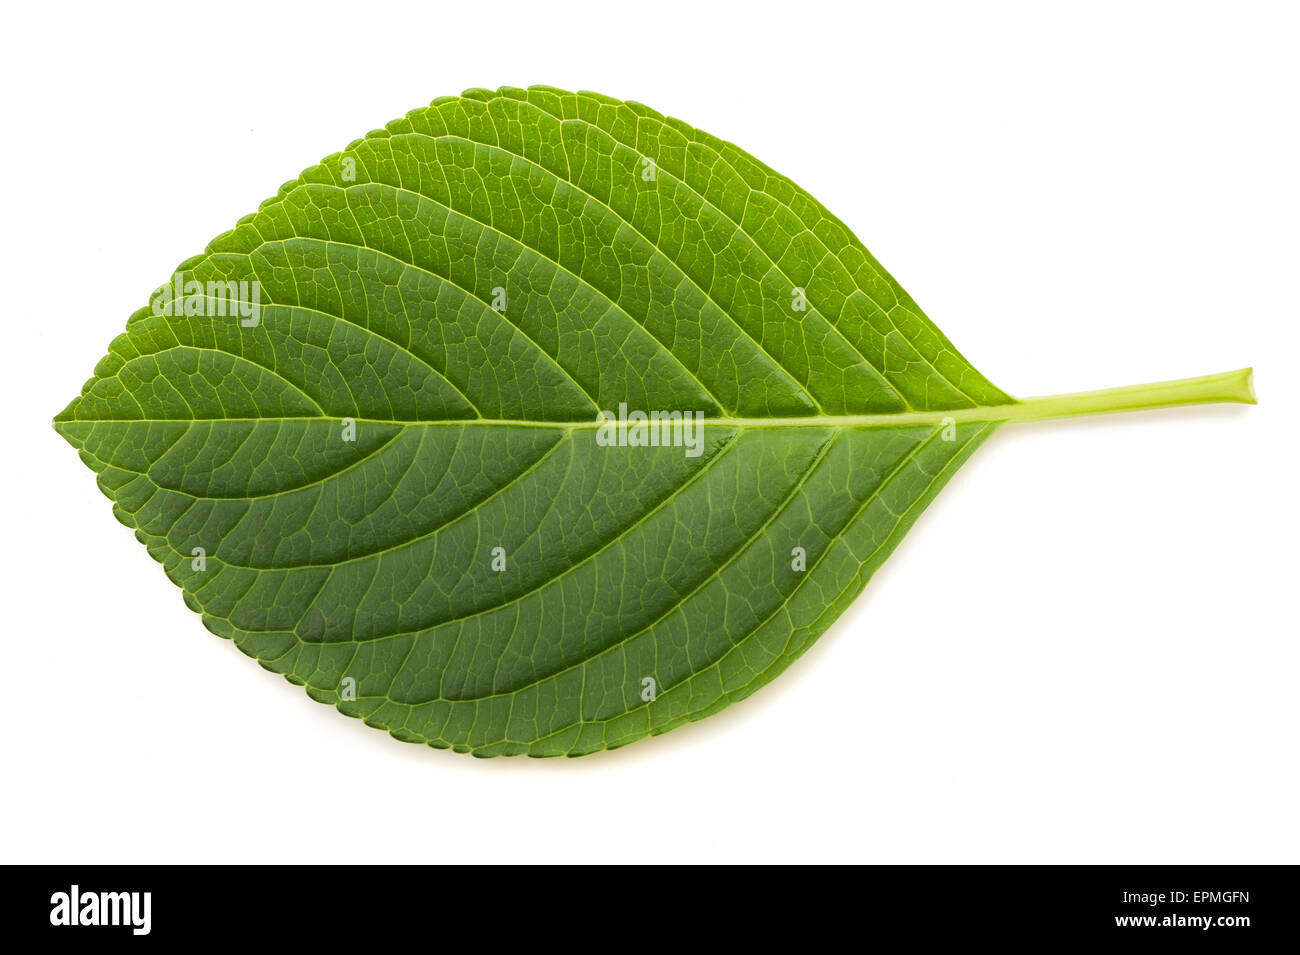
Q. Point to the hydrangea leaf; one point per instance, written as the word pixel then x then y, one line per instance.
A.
pixel 384 433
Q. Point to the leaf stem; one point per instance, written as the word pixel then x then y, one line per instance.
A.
pixel 1229 386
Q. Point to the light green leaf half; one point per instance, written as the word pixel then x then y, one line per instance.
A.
pixel 471 286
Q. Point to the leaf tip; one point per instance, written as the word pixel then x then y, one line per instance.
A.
pixel 63 419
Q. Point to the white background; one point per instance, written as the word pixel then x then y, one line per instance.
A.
pixel 1086 651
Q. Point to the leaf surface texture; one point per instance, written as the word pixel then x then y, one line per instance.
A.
pixel 642 262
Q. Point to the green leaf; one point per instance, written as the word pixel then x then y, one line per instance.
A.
pixel 375 460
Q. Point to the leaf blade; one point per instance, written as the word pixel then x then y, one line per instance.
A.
pixel 368 561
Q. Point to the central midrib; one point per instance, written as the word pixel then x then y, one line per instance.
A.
pixel 1229 386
